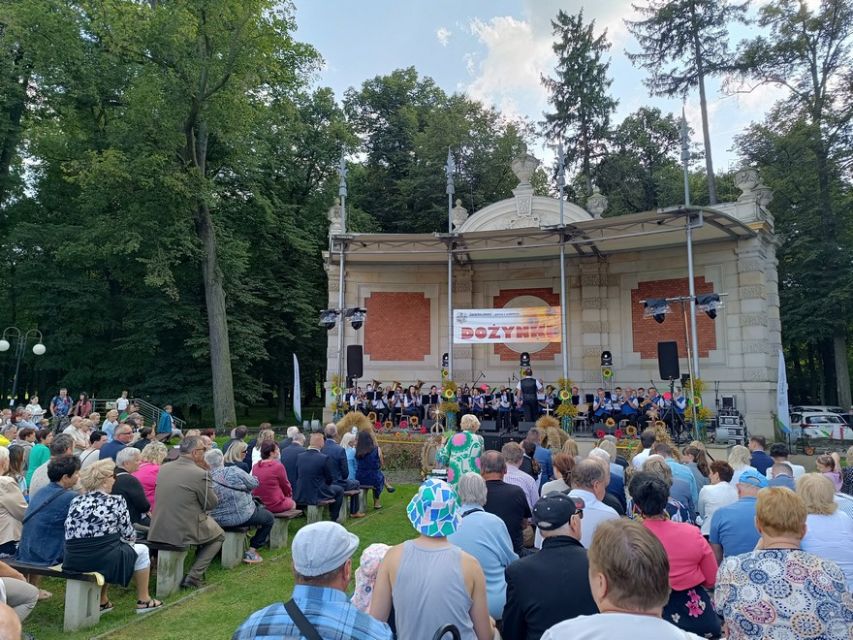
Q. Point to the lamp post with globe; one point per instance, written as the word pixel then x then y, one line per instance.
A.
pixel 23 339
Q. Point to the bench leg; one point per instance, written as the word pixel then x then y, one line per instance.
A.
pixel 170 572
pixel 232 549
pixel 344 512
pixel 278 535
pixel 362 503
pixel 314 514
pixel 82 605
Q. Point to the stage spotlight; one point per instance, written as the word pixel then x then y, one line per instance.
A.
pixel 656 308
pixel 524 359
pixel 356 317
pixel 445 361
pixel 709 303
pixel 328 318
pixel 606 359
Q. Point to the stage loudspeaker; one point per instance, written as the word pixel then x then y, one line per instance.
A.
pixel 524 427
pixel 488 426
pixel 355 362
pixel 492 441
pixel 668 361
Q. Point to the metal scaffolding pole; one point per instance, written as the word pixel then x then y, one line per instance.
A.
pixel 564 320
pixel 450 169
pixel 685 159
pixel 342 323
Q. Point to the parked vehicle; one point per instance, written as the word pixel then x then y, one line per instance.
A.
pixel 820 424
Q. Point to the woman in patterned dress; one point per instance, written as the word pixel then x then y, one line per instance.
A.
pixel 100 537
pixel 461 453
pixel 779 590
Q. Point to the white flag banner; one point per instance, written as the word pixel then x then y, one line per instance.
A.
pixel 297 391
pixel 519 324
pixel 783 417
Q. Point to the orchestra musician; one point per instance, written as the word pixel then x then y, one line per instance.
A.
pixel 630 408
pixel 549 400
pixel 379 405
pixel 505 404
pixel 478 403
pixel 602 406
pixel 527 391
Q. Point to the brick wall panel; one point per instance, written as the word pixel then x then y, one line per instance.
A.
pixel 397 327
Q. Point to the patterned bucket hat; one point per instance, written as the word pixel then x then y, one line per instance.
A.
pixel 433 511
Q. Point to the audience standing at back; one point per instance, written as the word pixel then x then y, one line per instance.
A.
pixel 629 579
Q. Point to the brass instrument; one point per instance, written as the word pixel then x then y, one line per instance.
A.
pixel 418 385
pixel 376 383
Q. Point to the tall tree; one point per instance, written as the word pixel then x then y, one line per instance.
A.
pixel 579 92
pixel 810 53
pixel 683 42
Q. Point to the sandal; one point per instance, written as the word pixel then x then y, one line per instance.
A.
pixel 44 595
pixel 377 505
pixel 146 607
pixel 106 607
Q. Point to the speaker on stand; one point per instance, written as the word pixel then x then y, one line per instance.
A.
pixel 355 362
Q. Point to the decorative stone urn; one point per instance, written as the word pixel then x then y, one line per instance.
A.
pixel 596 204
pixel 524 166
pixel 458 215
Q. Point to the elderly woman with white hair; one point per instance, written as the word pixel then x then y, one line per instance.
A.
pixel 100 537
pixel 461 452
pixel 236 508
pixel 740 460
pixel 130 488
pixel 484 536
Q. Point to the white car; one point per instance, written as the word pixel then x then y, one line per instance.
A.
pixel 820 424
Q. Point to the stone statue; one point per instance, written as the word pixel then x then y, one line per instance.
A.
pixel 458 214
pixel 335 222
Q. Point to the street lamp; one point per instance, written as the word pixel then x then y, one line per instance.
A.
pixel 23 338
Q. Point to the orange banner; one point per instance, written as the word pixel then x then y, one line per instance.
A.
pixel 521 324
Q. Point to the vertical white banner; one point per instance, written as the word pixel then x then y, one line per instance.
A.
pixel 297 391
pixel 782 416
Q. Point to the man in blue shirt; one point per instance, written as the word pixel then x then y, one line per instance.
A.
pixel 733 527
pixel 679 470
pixel 759 458
pixel 542 456
pixel 322 567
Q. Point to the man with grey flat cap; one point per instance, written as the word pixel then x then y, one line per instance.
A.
pixel 319 608
pixel 552 585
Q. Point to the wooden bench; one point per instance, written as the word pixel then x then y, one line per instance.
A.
pixel 233 547
pixel 316 511
pixel 344 514
pixel 279 533
pixel 170 567
pixel 82 594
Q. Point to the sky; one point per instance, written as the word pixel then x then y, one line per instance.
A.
pixel 496 50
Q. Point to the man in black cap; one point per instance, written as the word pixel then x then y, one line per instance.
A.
pixel 550 586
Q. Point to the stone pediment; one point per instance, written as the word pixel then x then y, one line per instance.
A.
pixel 523 212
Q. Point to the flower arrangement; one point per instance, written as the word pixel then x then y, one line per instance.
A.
pixel 448 394
pixel 565 410
pixel 337 404
pixel 693 391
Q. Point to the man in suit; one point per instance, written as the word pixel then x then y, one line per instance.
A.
pixel 121 438
pixel 538 595
pixel 339 467
pixel 184 498
pixel 289 455
pixel 314 480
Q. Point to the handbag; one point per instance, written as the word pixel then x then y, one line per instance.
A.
pixel 308 630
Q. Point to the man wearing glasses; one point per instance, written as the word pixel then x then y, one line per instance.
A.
pixel 549 586
pixel 184 498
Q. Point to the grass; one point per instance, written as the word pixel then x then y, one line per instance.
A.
pixel 230 596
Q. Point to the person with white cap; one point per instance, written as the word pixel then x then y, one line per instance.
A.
pixel 319 607
pixel 429 581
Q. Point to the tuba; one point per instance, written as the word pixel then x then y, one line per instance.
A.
pixel 418 385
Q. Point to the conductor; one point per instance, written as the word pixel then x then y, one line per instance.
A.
pixel 528 388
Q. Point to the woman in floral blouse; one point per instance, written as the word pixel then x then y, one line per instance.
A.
pixel 461 453
pixel 100 537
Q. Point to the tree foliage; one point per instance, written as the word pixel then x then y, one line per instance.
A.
pixel 579 93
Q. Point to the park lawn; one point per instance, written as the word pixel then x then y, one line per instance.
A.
pixel 215 612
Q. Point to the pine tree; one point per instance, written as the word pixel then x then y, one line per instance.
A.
pixel 692 37
pixel 579 92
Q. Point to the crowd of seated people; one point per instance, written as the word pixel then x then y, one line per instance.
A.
pixel 533 541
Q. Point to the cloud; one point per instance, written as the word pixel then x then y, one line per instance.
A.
pixel 509 71
pixel 443 34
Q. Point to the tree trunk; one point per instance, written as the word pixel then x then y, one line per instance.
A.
pixel 842 371
pixel 814 376
pixel 827 395
pixel 799 378
pixel 703 105
pixel 281 410
pixel 217 321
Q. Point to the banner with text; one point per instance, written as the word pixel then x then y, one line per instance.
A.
pixel 521 324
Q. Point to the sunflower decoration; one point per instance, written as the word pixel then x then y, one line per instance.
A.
pixel 610 422
pixel 444 373
pixel 631 431
pixel 565 394
pixel 606 373
pixel 448 394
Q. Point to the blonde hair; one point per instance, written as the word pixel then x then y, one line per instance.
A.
pixel 85 422
pixel 469 422
pixel 192 432
pixel 739 456
pixel 236 452
pixel 93 477
pixel 154 452
pixel 609 448
pixel 112 413
pixel 634 563
pixel 265 435
pixel 348 439
pixel 818 493
pixel 571 448
pixel 779 511
pixel 657 465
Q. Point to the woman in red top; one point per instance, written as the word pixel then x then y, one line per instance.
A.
pixel 83 406
pixel 274 489
pixel 692 566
